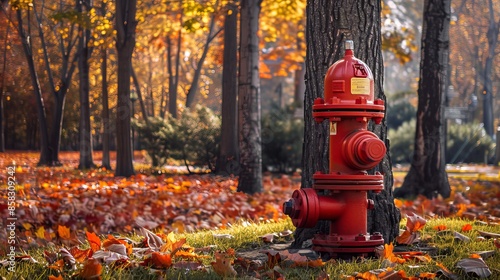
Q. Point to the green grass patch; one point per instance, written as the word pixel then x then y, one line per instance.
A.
pixel 437 238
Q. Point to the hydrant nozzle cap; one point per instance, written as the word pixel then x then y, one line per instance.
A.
pixel 349 45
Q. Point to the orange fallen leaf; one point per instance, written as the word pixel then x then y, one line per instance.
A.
pixel 52 277
pixel 160 260
pixel 389 255
pixel 92 269
pixel 467 227
pixel 223 265
pixel 94 241
pixel 58 265
pixel 440 227
pixel 414 222
pixel 79 254
pixel 63 232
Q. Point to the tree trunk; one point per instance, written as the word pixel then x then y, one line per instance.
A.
pixel 125 43
pixel 2 90
pixel 86 149
pixel 329 24
pixel 173 79
pixel 137 87
pixel 249 100
pixel 106 134
pixel 228 154
pixel 492 34
pixel 45 156
pixel 197 73
pixel 57 122
pixel 427 174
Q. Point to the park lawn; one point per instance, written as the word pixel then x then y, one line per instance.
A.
pixel 442 251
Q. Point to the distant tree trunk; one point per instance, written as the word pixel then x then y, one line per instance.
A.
pixel 2 90
pixel 493 30
pixel 228 154
pixel 337 21
pixel 197 73
pixel 173 79
pixel 86 149
pixel 299 84
pixel 106 132
pixel 45 156
pixel 427 174
pixel 125 43
pixel 249 100
pixel 137 87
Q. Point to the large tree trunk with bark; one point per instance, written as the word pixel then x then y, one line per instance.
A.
pixel 86 149
pixel 329 24
pixel 228 154
pixel 125 27
pixel 427 174
pixel 249 114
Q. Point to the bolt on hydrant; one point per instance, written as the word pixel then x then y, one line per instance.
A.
pixel 348 105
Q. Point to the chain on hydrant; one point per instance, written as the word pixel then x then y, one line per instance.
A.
pixel 348 105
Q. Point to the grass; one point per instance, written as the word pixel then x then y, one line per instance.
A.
pixel 246 236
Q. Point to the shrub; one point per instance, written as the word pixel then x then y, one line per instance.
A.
pixel 282 137
pixel 401 142
pixel 399 112
pixel 197 137
pixel 466 143
pixel 153 138
pixel 469 143
pixel 193 138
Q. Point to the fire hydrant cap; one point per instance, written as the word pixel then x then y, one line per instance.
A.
pixel 373 150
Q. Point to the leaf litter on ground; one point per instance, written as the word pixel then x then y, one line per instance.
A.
pixel 73 213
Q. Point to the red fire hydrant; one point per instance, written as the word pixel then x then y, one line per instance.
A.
pixel 348 105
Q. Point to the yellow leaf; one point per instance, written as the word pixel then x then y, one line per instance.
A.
pixel 40 232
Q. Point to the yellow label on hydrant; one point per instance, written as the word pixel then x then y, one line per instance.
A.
pixel 360 86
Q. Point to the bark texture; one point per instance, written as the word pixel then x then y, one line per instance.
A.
pixel 427 175
pixel 228 154
pixel 125 43
pixel 329 24
pixel 249 100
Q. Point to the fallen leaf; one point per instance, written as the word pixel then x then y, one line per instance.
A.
pixel 52 277
pixel 94 241
pixel 440 227
pixel 467 227
pixel 414 222
pixel 161 261
pixel 223 265
pixel 408 237
pixel 461 237
pixel 223 236
pixel 63 232
pixel 268 238
pixel 474 266
pixel 92 269
pixel 152 240
pixel 488 234
pixel 79 254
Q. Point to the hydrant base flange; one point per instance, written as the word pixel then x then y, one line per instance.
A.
pixel 345 248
